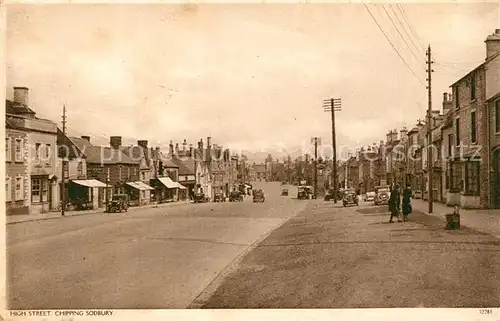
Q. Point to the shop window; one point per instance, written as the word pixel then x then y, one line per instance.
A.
pixel 19 189
pixel 35 190
pixel 472 178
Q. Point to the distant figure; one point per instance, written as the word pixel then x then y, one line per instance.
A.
pixel 406 203
pixel 394 203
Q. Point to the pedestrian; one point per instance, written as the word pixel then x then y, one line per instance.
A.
pixel 406 203
pixel 394 203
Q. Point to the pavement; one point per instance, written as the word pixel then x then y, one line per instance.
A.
pixel 13 219
pixel 333 257
pixel 487 221
pixel 149 258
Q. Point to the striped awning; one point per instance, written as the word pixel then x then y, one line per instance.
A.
pixel 139 185
pixel 89 182
pixel 168 182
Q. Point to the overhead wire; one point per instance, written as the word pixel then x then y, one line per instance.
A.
pixel 392 45
pixel 403 12
pixel 404 29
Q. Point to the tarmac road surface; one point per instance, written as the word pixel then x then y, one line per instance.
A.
pixel 147 258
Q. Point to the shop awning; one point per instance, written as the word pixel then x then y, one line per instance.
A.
pixel 89 182
pixel 180 186
pixel 144 185
pixel 168 182
pixel 139 185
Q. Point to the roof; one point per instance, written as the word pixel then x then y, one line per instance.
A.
pixel 100 154
pixel 495 96
pixel 260 168
pixel 136 153
pixel 481 65
pixel 16 108
pixel 74 151
pixel 186 167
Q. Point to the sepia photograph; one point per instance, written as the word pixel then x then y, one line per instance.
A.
pixel 195 156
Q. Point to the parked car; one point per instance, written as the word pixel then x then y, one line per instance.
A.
pixel 382 195
pixel 258 196
pixel 219 197
pixel 350 197
pixel 200 198
pixel 305 192
pixel 235 196
pixel 118 203
pixel 329 194
pixel 369 197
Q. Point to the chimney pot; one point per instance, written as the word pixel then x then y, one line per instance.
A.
pixel 87 138
pixel 115 141
pixel 21 95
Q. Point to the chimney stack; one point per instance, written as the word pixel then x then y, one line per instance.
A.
pixel 209 142
pixel 176 149
pixel 21 95
pixel 170 149
pixel 184 144
pixel 447 103
pixel 394 135
pixel 87 138
pixel 115 141
pixel 191 150
pixel 200 145
pixel 403 133
pixel 492 44
pixel 389 137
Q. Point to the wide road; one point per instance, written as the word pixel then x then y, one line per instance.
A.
pixel 329 256
pixel 163 257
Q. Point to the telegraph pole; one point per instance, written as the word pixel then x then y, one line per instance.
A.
pixel 430 164
pixel 332 105
pixel 307 169
pixel 63 163
pixel 315 140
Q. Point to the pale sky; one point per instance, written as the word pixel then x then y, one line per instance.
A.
pixel 250 76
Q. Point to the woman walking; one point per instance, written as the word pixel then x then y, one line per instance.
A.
pixel 394 203
pixel 406 203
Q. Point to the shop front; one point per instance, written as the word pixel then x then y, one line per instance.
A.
pixel 139 193
pixel 85 194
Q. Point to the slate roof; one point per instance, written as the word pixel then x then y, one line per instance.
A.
pixel 100 154
pixel 136 153
pixel 15 108
pixel 481 65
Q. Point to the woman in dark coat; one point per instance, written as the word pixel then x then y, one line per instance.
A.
pixel 406 203
pixel 394 203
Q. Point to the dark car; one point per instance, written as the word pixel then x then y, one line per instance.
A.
pixel 382 195
pixel 236 196
pixel 350 197
pixel 219 197
pixel 258 196
pixel 118 203
pixel 200 198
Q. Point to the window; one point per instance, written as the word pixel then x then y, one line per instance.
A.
pixel 455 175
pixel 457 97
pixel 497 116
pixel 473 130
pixel 472 178
pixel 35 190
pixel 457 131
pixel 8 189
pixel 128 173
pixel 450 144
pixel 19 189
pixel 473 86
pixel 47 153
pixel 37 151
pixel 120 173
pixel 8 150
pixel 143 176
pixel 79 168
pixel 19 150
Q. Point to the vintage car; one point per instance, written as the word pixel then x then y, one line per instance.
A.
pixel 200 198
pixel 369 197
pixel 350 197
pixel 284 192
pixel 219 198
pixel 258 196
pixel 118 203
pixel 305 192
pixel 236 196
pixel 382 195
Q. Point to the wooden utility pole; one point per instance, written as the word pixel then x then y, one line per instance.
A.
pixel 307 169
pixel 332 105
pixel 63 167
pixel 315 167
pixel 430 163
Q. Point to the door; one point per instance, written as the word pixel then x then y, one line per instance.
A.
pixel 496 178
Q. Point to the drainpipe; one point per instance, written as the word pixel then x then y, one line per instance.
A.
pixel 488 154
